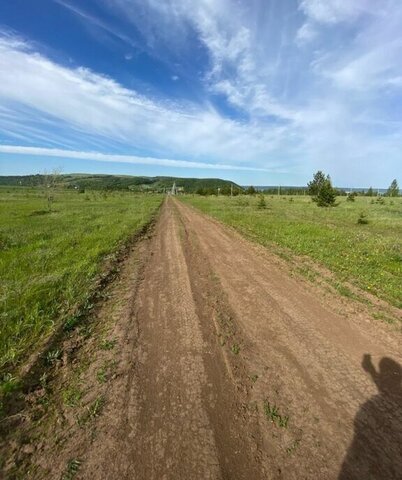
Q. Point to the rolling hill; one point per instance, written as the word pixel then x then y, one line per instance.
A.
pixel 118 182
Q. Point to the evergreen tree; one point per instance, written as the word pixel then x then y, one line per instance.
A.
pixel 321 190
pixel 316 184
pixel 393 190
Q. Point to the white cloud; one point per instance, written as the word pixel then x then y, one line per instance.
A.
pixel 306 33
pixel 104 157
pixel 335 11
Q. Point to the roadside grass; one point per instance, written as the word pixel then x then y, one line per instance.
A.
pixel 51 261
pixel 367 255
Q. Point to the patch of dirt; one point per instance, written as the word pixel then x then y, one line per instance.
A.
pixel 209 360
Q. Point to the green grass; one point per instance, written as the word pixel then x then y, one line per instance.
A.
pixel 49 260
pixel 72 468
pixel 366 255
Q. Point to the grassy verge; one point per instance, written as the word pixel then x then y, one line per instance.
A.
pixel 49 261
pixel 366 255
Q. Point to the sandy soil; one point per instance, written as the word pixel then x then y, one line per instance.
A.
pixel 229 368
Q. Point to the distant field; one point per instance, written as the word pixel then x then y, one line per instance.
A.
pixel 366 255
pixel 48 261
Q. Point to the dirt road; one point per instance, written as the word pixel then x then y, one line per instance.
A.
pixel 229 368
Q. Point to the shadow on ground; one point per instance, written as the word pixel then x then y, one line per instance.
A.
pixel 376 449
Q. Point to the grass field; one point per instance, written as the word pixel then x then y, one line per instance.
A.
pixel 366 255
pixel 49 260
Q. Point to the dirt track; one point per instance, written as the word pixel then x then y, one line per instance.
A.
pixel 216 329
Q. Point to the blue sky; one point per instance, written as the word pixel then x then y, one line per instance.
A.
pixel 262 92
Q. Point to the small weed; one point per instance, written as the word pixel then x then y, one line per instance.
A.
pixel 95 408
pixel 92 411
pixel 101 375
pixel 235 349
pixel 254 378
pixel 71 322
pixel 72 468
pixel 9 384
pixel 85 330
pixel 108 344
pixel 272 413
pixel 43 380
pixel 52 357
pixel 293 447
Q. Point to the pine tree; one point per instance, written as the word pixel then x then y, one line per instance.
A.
pixel 316 184
pixel 393 190
pixel 321 190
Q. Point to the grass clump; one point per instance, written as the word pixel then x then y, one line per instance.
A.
pixel 108 344
pixel 72 396
pixel 92 411
pixel 72 468
pixel 272 414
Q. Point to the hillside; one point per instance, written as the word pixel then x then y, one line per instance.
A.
pixel 118 182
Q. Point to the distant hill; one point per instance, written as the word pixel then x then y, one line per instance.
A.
pixel 120 182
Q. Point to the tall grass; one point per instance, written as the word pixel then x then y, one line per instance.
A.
pixel 49 260
pixel 367 255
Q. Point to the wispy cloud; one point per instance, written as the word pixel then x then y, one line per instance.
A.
pixel 336 11
pixel 132 159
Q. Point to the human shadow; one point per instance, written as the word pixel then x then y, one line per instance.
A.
pixel 376 450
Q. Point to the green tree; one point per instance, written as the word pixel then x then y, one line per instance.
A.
pixel 316 184
pixel 369 192
pixel 393 190
pixel 321 190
